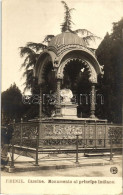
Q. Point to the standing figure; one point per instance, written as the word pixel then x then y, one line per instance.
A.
pixel 6 135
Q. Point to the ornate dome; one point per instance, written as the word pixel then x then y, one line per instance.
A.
pixel 66 38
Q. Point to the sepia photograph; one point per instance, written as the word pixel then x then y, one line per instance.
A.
pixel 62 97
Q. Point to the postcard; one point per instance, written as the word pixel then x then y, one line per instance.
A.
pixel 61 110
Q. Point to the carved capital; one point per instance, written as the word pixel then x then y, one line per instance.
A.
pixel 56 62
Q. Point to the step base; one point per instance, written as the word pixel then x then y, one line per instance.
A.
pixel 97 154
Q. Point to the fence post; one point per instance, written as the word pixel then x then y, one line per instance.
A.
pixel 77 136
pixel 84 137
pixel 11 169
pixel 105 137
pixel 85 147
pixel 21 142
pixel 37 145
pixel 95 133
pixel 111 148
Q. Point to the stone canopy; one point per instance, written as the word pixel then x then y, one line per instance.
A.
pixel 67 49
pixel 62 49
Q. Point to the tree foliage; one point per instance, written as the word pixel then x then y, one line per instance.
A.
pixel 67 24
pixel 110 54
pixel 12 106
pixel 85 34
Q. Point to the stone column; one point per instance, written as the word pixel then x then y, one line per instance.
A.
pixel 58 101
pixel 92 98
pixel 40 130
pixel 40 103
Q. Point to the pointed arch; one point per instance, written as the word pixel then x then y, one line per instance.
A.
pixel 44 59
pixel 78 55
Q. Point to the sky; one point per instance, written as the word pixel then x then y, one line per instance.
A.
pixel 30 20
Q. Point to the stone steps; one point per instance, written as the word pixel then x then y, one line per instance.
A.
pixel 97 154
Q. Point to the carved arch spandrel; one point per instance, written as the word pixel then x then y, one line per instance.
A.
pixel 93 74
pixel 81 54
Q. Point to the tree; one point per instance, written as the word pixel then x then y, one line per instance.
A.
pixel 66 25
pixel 31 53
pixel 12 106
pixel 86 35
pixel 110 53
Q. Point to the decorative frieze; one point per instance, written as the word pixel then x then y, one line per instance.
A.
pixel 62 130
pixel 90 135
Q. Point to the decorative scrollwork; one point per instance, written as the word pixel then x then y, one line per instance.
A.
pixel 115 133
pixel 61 142
pixel 91 141
pixel 89 132
pixel 100 131
pixel 25 134
pixel 63 130
pixel 100 141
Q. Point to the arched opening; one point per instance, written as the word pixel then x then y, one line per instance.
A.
pixel 75 71
pixel 49 78
pixel 48 89
pixel 76 78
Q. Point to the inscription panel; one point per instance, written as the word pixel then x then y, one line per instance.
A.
pixel 62 131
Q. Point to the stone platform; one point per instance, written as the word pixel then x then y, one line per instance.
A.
pixel 57 132
pixel 63 131
pixel 75 119
pixel 69 110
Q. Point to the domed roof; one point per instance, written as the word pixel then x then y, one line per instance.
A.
pixel 66 38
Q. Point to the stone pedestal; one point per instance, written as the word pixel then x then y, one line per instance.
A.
pixel 69 110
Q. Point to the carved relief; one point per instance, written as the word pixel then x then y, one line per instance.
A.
pixel 93 76
pixel 89 132
pixel 100 132
pixel 65 134
pixel 56 62
pixel 61 49
pixel 60 72
pixel 62 130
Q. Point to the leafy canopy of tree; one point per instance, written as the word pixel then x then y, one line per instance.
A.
pixel 12 106
pixel 110 53
pixel 66 25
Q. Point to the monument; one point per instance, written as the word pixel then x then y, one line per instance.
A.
pixel 67 50
pixel 64 63
pixel 68 57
